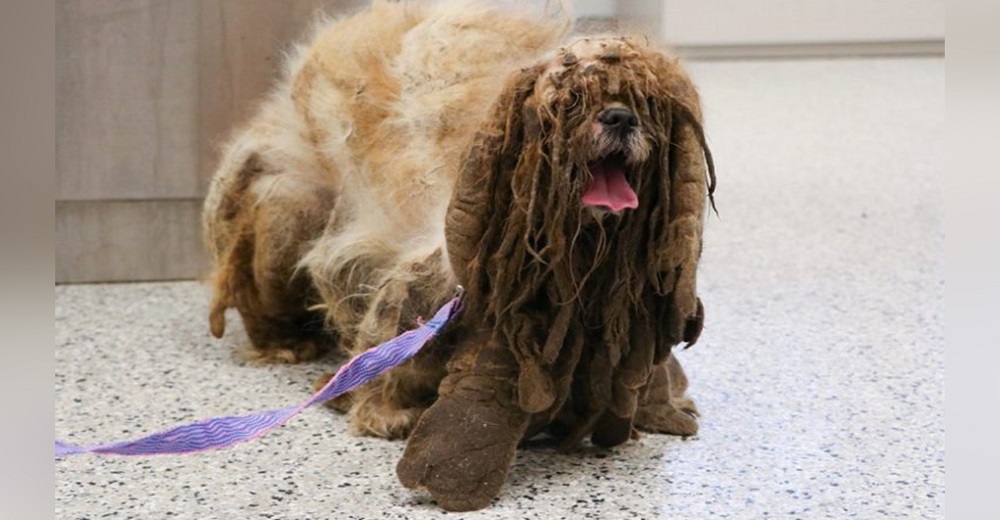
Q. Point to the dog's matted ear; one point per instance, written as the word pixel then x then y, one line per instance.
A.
pixel 478 196
pixel 485 229
pixel 692 184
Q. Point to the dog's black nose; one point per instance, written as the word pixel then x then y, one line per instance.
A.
pixel 619 119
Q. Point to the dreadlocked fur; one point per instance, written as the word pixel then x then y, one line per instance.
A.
pixel 544 271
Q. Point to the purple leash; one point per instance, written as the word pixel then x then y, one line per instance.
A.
pixel 222 432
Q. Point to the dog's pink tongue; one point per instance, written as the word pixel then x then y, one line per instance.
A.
pixel 609 189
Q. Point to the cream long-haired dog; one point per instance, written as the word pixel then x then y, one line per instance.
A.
pixel 562 181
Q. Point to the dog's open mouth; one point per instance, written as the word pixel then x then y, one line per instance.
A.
pixel 608 187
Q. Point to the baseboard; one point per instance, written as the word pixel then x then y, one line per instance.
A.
pixel 812 50
pixel 129 241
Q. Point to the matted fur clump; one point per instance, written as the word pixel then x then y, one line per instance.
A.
pixel 561 180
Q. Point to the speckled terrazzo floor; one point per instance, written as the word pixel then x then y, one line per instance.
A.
pixel 820 373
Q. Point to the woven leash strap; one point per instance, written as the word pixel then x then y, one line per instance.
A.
pixel 222 432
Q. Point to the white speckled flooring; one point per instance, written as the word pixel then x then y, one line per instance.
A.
pixel 820 373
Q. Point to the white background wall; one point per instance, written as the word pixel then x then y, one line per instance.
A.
pixel 595 8
pixel 736 22
pixel 769 28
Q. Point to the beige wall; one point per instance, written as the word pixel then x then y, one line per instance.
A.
pixel 145 90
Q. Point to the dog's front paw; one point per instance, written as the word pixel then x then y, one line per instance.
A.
pixel 372 413
pixel 611 430
pixel 383 420
pixel 678 417
pixel 289 352
pixel 462 449
pixel 341 403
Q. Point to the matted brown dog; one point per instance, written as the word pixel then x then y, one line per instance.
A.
pixel 563 181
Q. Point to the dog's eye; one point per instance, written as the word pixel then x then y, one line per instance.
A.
pixel 572 100
pixel 565 102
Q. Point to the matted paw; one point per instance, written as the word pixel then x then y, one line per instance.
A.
pixel 279 353
pixel 341 403
pixel 611 430
pixel 383 420
pixel 677 418
pixel 461 452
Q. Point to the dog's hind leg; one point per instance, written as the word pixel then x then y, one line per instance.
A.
pixel 390 405
pixel 663 407
pixel 259 220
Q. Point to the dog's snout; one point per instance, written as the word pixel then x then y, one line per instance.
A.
pixel 619 119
